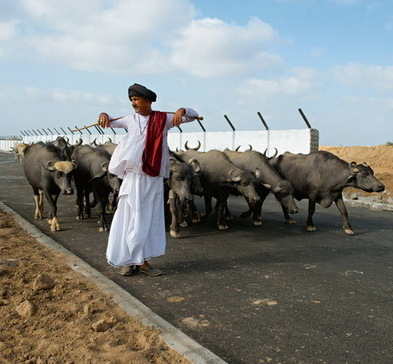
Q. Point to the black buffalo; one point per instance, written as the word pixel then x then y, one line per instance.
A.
pixel 183 182
pixel 321 177
pixel 220 178
pixel 48 174
pixel 92 175
pixel 269 180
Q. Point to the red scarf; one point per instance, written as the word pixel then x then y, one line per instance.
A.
pixel 152 154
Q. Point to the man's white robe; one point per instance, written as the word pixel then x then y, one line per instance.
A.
pixel 138 227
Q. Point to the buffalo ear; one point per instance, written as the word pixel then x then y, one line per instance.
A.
pixel 104 170
pixel 266 185
pixel 354 167
pixel 195 165
pixel 277 189
pixel 232 177
pixel 50 166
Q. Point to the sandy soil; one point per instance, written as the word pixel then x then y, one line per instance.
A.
pixel 379 157
pixel 51 314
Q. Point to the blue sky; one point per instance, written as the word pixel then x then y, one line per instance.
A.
pixel 63 62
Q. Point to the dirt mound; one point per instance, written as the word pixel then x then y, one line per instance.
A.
pixel 51 314
pixel 380 159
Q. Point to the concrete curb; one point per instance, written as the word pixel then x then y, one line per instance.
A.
pixel 372 205
pixel 172 336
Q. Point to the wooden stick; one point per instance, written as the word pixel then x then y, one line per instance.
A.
pixel 97 123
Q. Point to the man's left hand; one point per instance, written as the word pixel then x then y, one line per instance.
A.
pixel 177 118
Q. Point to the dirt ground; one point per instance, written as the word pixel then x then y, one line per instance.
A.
pixel 51 314
pixel 379 157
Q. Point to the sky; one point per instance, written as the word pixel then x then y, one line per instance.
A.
pixel 63 62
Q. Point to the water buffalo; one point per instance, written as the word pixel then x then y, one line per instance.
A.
pixel 321 177
pixel 92 175
pixel 48 174
pixel 20 151
pixel 64 147
pixel 269 180
pixel 220 178
pixel 183 183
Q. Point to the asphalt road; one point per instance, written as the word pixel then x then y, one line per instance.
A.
pixel 269 294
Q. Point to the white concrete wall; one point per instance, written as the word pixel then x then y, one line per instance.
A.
pixel 295 141
pixel 7 145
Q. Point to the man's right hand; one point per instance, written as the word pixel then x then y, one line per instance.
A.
pixel 103 120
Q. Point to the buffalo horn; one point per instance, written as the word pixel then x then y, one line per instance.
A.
pixel 196 148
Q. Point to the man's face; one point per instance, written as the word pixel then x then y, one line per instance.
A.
pixel 140 104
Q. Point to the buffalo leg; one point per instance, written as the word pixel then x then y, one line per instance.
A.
pixel 311 209
pixel 174 230
pixel 344 214
pixel 258 206
pixel 79 202
pixel 103 201
pixel 37 211
pixel 256 210
pixel 221 220
pixel 288 219
pixel 227 212
pixel 87 208
pixel 41 203
pixel 195 216
pixel 208 204
pixel 52 220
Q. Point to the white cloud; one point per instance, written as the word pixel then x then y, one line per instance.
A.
pixel 129 35
pixel 300 82
pixel 149 37
pixel 211 47
pixel 8 29
pixel 59 96
pixel 379 77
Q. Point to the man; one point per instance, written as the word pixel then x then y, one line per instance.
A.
pixel 141 159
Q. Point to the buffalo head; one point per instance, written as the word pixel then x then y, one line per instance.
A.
pixel 362 176
pixel 62 174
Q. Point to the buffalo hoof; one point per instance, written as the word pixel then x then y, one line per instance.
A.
pixel 184 224
pixel 223 227
pixel 257 223
pixel 291 222
pixel 55 226
pixel 311 229
pixel 174 234
pixel 50 221
pixel 196 218
pixel 102 229
pixel 349 231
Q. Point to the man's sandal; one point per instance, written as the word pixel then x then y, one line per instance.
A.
pixel 128 270
pixel 150 271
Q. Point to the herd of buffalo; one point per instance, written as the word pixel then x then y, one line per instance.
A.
pixel 55 167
